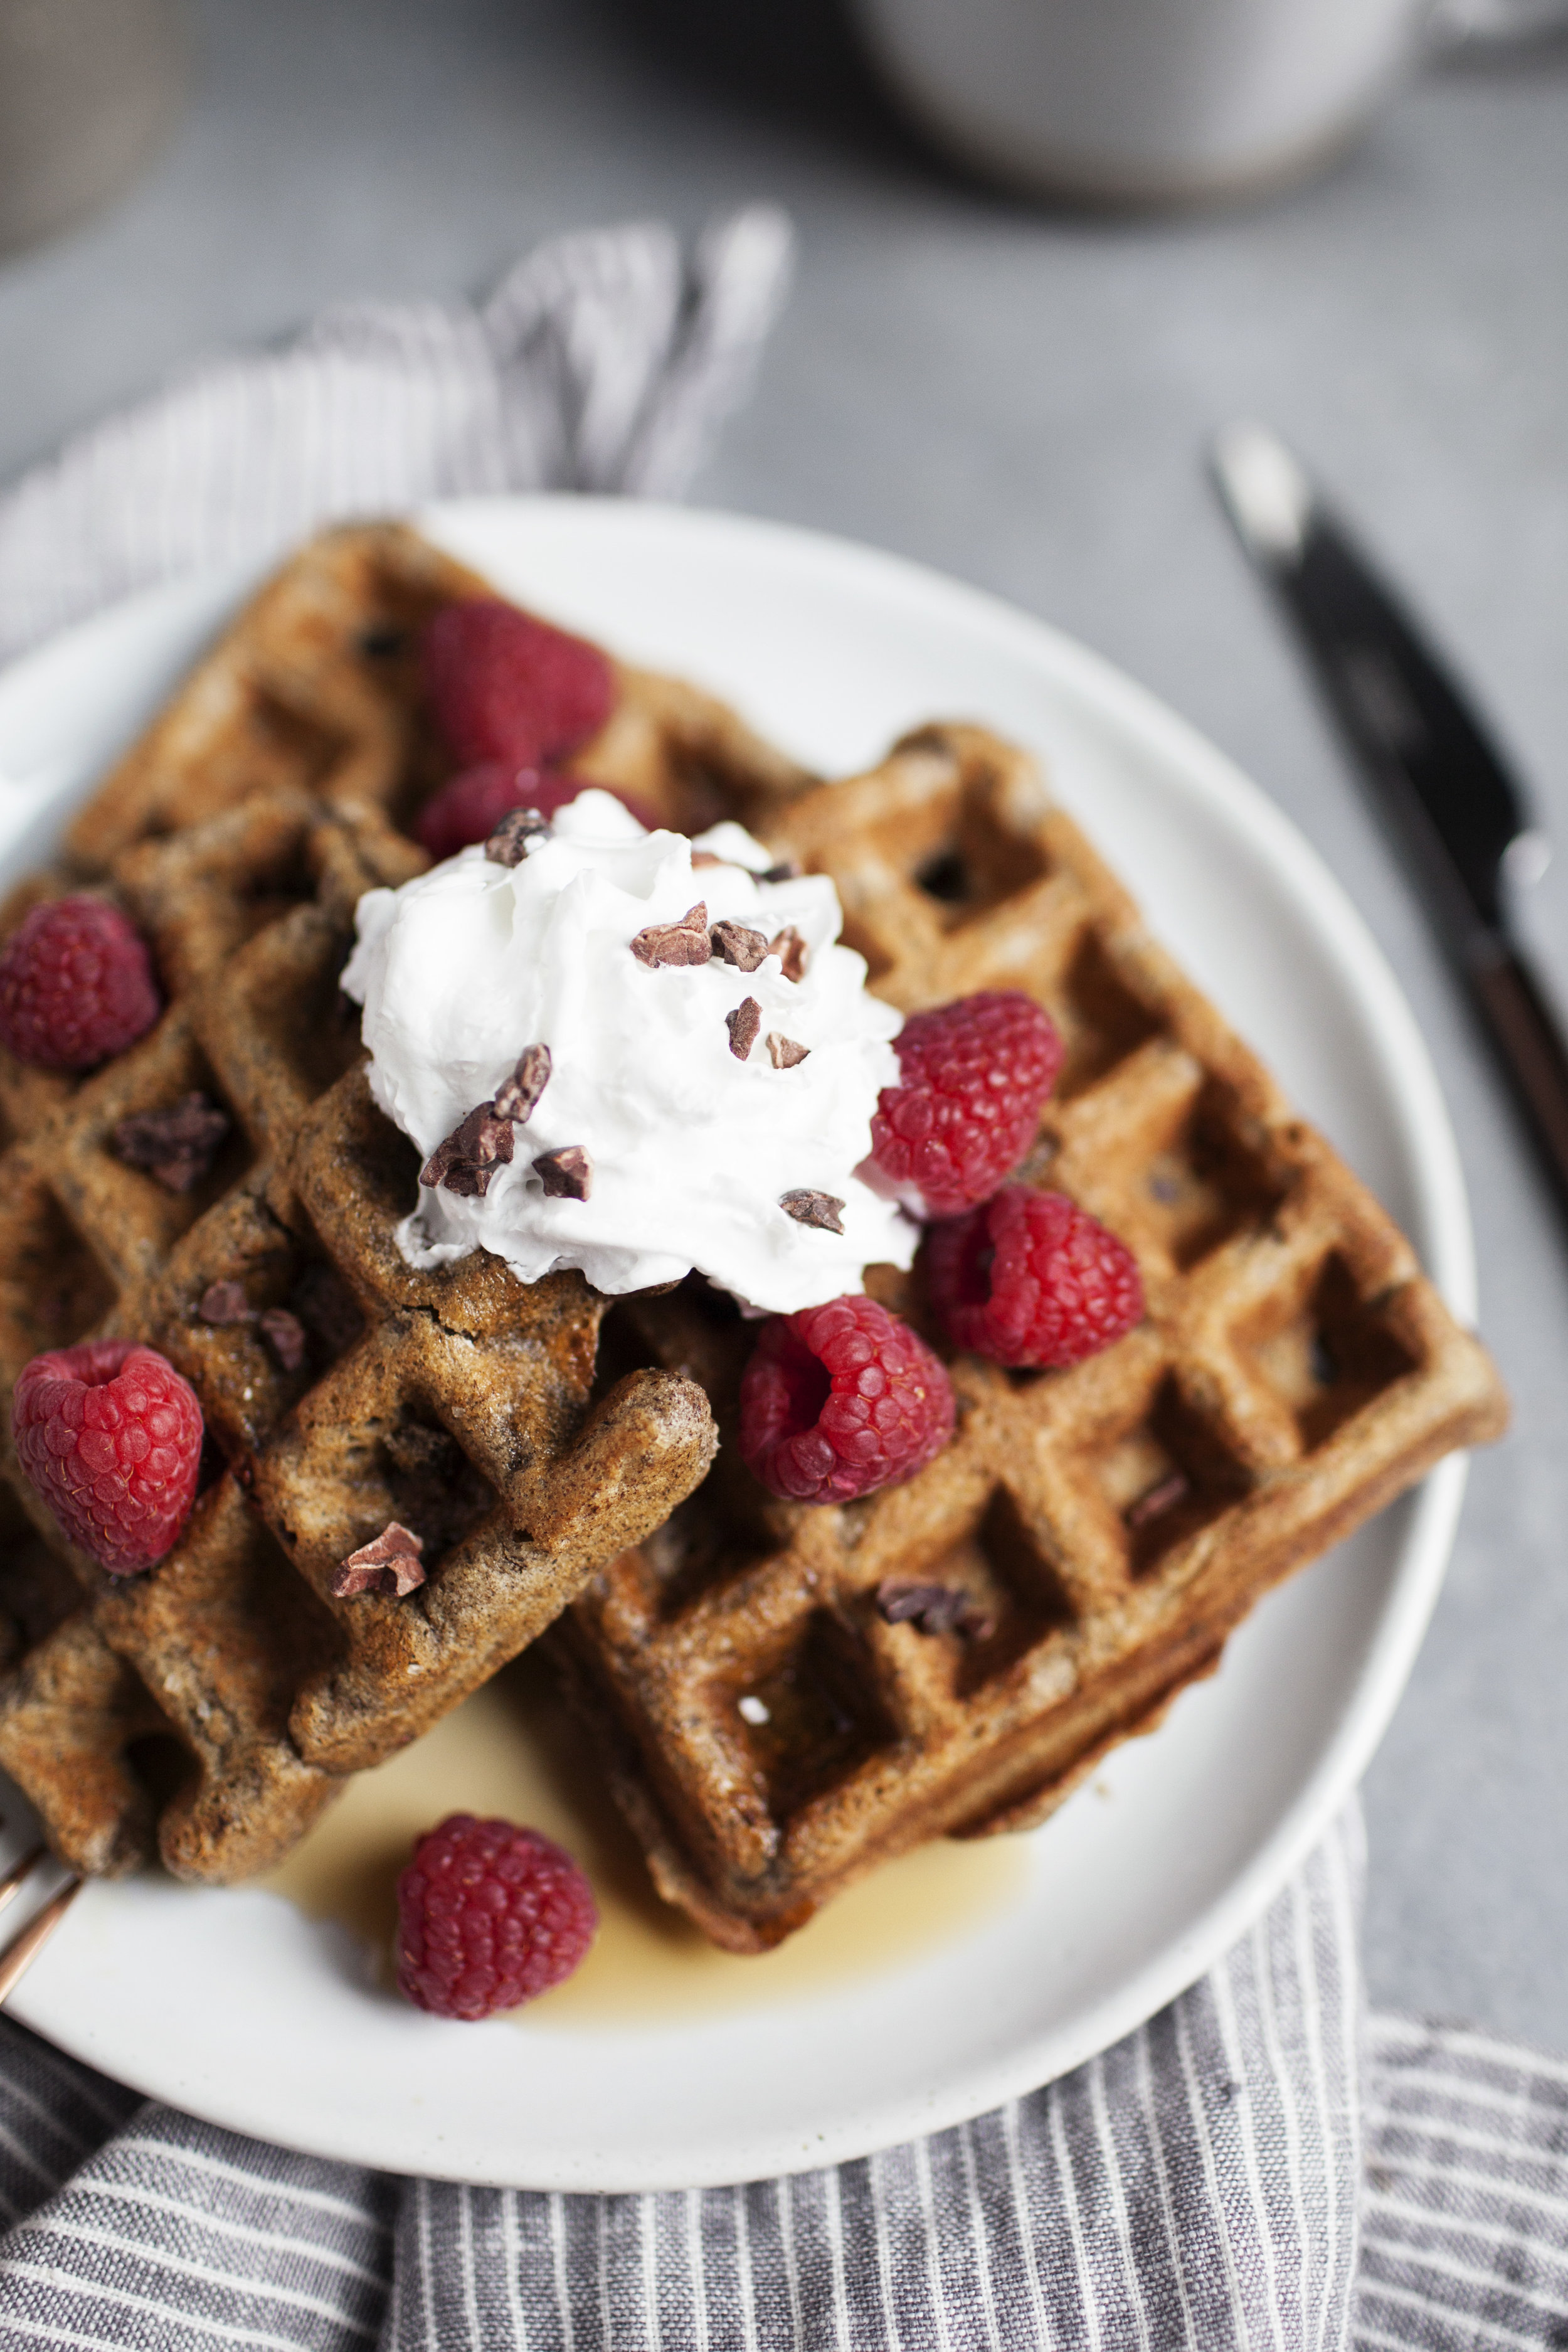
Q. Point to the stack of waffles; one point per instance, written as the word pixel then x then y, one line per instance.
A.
pixel 773 1722
pixel 208 1711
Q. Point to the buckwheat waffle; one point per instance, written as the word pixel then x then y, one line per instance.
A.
pixel 456 1403
pixel 771 1734
pixel 218 1699
pixel 316 686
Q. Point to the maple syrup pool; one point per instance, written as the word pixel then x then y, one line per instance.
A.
pixel 513 1750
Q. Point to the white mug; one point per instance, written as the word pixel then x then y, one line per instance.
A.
pixel 89 91
pixel 1159 101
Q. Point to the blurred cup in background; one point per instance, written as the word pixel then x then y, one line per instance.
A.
pixel 89 89
pixel 1161 102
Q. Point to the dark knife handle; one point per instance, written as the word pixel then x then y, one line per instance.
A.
pixel 1441 778
pixel 1526 1029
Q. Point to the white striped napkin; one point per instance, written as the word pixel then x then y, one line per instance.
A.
pixel 604 360
pixel 1258 2165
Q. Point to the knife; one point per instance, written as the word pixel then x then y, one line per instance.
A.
pixel 1440 783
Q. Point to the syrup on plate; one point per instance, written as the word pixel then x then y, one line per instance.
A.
pixel 513 1750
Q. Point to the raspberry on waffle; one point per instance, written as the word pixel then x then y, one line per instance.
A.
pixel 109 1436
pixel 504 685
pixel 212 1704
pixel 1030 1279
pixel 76 985
pixel 949 1654
pixel 786 1694
pixel 457 1402
pixel 973 1076
pixel 316 686
pixel 840 1399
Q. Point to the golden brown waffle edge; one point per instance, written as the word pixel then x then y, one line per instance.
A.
pixel 1110 1524
pixel 220 1698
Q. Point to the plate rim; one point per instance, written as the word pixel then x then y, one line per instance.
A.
pixel 1432 1165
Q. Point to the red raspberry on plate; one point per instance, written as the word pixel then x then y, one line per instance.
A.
pixel 111 1438
pixel 1031 1278
pixel 504 687
pixel 76 985
pixel 489 1915
pixel 973 1076
pixel 839 1399
pixel 468 809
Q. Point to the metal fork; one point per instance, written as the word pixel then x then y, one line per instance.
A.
pixel 23 1950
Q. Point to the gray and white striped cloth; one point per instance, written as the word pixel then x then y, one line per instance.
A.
pixel 1259 2165
pixel 604 360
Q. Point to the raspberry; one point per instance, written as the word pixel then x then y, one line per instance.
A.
pixel 469 808
pixel 111 1438
pixel 1031 1278
pixel 76 985
pixel 489 1915
pixel 974 1076
pixel 840 1399
pixel 506 686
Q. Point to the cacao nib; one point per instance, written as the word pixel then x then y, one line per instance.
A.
pixel 734 943
pixel 1159 1499
pixel 685 943
pixel 508 843
pixel 517 1097
pixel 791 949
pixel 932 1609
pixel 566 1174
pixel 470 1154
pixel 285 1335
pixel 225 1302
pixel 808 1208
pixel 392 1563
pixel 743 1024
pixel 177 1147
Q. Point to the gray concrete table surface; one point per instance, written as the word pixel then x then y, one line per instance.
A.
pixel 1022 399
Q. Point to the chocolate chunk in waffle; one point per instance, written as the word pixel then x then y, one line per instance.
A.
pixel 315 687
pixel 776 1721
pixel 339 1389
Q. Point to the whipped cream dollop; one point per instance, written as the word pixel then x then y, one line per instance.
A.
pixel 690 1148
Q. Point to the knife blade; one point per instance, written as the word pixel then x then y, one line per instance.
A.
pixel 1438 780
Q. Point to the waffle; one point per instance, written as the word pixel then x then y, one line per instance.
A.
pixel 208 1711
pixel 1106 1526
pixel 316 687
pixel 1293 1373
pixel 453 1403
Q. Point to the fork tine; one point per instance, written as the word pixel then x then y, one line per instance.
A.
pixel 23 1950
pixel 12 1881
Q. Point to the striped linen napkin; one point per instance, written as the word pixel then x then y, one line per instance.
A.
pixel 1262 2164
pixel 1259 2165
pixel 605 360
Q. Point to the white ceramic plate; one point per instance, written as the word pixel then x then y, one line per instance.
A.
pixel 235 2006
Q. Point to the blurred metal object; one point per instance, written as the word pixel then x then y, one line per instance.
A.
pixel 1455 808
pixel 23 1950
pixel 89 91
